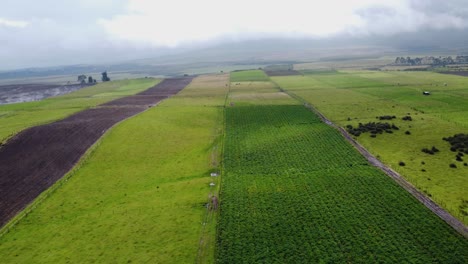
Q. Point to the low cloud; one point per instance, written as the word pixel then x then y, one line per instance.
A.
pixel 50 32
pixel 13 23
pixel 180 22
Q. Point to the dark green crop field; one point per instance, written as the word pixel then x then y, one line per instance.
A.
pixel 294 191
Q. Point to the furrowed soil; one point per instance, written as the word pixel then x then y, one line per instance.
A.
pixel 37 157
pixel 459 73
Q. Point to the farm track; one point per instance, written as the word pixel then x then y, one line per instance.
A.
pixel 436 209
pixel 37 157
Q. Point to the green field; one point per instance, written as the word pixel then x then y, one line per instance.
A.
pixel 294 191
pixel 16 117
pixel 139 196
pixel 249 76
pixel 254 93
pixel 353 97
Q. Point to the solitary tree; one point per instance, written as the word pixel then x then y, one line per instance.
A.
pixel 82 78
pixel 104 77
pixel 90 80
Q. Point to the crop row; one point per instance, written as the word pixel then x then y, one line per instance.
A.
pixel 295 192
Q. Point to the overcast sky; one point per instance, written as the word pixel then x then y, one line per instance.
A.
pixel 57 32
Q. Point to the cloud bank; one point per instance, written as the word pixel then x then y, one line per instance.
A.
pixel 50 32
pixel 178 22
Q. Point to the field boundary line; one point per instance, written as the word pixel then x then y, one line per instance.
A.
pixel 49 191
pixel 211 216
pixel 402 182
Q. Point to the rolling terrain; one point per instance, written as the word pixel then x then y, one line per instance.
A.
pixel 139 195
pixel 235 168
pixel 294 191
pixel 36 158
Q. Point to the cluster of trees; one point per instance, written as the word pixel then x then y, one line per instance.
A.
pixel 82 78
pixel 105 78
pixel 430 60
pixel 389 117
pixel 459 144
pixel 372 127
pixel 386 117
pixel 430 151
pixel 407 118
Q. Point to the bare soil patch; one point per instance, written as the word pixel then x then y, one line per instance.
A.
pixel 37 157
pixel 459 73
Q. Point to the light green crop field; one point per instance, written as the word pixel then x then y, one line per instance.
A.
pixel 249 76
pixel 258 92
pixel 353 97
pixel 140 196
pixel 16 117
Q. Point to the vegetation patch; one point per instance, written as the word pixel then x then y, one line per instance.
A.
pixel 407 118
pixel 386 117
pixel 430 151
pixel 372 127
pixel 458 142
pixel 288 197
pixel 249 76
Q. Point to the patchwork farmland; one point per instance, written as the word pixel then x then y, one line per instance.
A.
pixel 350 98
pixel 36 158
pixel 294 191
pixel 290 188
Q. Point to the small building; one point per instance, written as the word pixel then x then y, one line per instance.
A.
pixel 426 93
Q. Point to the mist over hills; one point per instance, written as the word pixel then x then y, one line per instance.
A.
pixel 265 51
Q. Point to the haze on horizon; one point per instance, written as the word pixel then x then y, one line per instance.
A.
pixel 51 32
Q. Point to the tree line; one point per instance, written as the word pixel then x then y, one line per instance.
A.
pixel 430 60
pixel 82 78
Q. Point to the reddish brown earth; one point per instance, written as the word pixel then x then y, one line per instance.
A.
pixel 459 73
pixel 37 157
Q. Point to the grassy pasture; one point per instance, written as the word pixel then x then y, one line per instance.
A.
pixel 249 75
pixel 371 94
pixel 139 196
pixel 16 117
